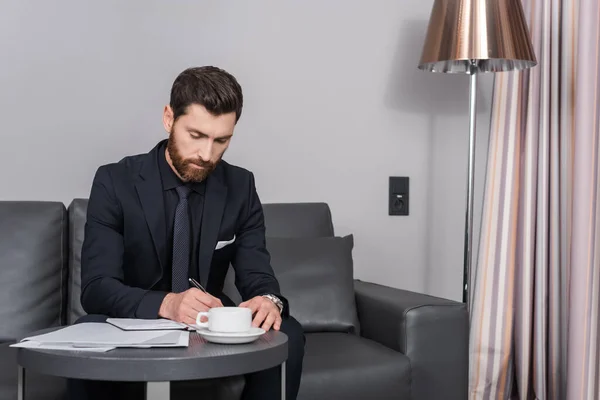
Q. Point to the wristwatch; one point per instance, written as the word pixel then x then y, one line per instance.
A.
pixel 275 300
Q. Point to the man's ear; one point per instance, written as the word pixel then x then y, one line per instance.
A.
pixel 168 118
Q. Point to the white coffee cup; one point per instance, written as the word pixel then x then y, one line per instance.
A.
pixel 226 319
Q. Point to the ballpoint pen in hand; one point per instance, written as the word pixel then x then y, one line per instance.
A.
pixel 196 284
pixel 199 286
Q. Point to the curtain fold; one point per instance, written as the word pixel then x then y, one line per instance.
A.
pixel 536 293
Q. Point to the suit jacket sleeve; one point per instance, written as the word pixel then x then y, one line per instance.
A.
pixel 254 275
pixel 102 288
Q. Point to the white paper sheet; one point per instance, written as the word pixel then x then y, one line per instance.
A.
pixel 183 341
pixel 98 334
pixel 37 345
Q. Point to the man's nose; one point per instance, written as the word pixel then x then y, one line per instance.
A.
pixel 206 151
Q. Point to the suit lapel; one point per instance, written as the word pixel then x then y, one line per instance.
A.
pixel 149 190
pixel 214 204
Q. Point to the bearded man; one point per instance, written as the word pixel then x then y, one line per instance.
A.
pixel 154 220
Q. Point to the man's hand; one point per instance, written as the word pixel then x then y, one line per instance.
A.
pixel 185 306
pixel 265 312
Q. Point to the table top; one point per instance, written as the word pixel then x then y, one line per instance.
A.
pixel 200 360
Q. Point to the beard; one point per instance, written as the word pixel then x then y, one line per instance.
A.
pixel 185 167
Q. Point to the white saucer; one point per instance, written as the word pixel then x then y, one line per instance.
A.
pixel 231 338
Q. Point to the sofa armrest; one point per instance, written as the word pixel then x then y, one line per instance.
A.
pixel 432 332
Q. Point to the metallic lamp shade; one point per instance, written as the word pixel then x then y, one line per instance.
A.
pixel 492 33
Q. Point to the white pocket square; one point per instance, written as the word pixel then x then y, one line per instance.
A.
pixel 224 243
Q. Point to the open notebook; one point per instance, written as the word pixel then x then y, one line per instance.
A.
pixel 132 324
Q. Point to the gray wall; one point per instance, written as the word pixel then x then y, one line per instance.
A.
pixel 334 105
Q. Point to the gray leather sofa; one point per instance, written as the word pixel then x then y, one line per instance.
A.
pixel 363 341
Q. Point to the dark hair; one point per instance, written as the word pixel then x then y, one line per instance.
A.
pixel 215 89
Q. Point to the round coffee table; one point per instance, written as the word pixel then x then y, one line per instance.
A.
pixel 200 360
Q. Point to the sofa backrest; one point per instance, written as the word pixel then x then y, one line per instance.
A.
pixel 291 220
pixel 298 220
pixel 77 217
pixel 282 220
pixel 33 266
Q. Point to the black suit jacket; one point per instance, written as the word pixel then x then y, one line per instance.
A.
pixel 124 248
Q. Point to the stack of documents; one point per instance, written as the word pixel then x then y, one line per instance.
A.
pixel 101 337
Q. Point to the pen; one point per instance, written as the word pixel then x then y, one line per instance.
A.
pixel 196 284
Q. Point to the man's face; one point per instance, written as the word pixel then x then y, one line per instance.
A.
pixel 197 141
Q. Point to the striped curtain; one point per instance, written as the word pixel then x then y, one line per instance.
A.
pixel 536 290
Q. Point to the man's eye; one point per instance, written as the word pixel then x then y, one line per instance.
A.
pixel 222 141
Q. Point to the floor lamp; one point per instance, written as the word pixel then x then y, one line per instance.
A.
pixel 471 37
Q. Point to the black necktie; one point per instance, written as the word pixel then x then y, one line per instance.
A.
pixel 181 242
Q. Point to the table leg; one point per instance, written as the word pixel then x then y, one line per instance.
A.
pixel 283 381
pixel 158 390
pixel 21 384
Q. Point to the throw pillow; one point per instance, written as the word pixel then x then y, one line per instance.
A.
pixel 316 276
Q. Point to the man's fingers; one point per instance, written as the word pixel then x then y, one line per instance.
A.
pixel 259 318
pixel 213 301
pixel 190 307
pixel 189 320
pixel 206 299
pixel 202 319
pixel 190 316
pixel 195 293
pixel 200 296
pixel 194 304
pixel 185 315
pixel 251 304
pixel 196 307
pixel 190 312
pixel 277 324
pixel 269 321
pixel 246 303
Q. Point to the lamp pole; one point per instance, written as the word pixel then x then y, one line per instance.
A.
pixel 468 246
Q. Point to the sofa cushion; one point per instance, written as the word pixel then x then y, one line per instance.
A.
pixel 297 219
pixel 77 218
pixel 316 276
pixel 33 266
pixel 349 367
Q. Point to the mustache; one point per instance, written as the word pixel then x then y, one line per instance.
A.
pixel 200 163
